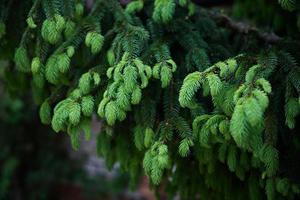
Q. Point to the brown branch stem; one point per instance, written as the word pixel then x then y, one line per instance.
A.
pixel 243 28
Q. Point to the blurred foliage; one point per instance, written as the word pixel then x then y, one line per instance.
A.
pixel 35 163
pixel 269 15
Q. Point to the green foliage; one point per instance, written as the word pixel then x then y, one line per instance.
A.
pixel 45 113
pixel 163 71
pixel 155 161
pixel 271 15
pixel 56 66
pixel 8 169
pixel 128 78
pixel 22 60
pixel 50 164
pixel 94 41
pixel 191 84
pixel 184 147
pixel 247 119
pixel 134 6
pixel 175 89
pixel 292 109
pixel 2 29
pixel 35 65
pixel 52 28
pixel 163 10
pixel 30 22
pixel 289 5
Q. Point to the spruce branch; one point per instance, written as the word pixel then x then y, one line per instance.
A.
pixel 166 86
